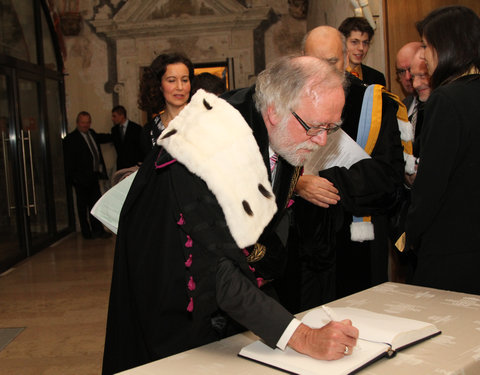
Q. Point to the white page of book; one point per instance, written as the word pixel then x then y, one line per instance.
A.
pixel 297 363
pixel 373 326
pixel 340 151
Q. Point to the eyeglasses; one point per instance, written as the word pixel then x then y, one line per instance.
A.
pixel 315 130
pixel 402 72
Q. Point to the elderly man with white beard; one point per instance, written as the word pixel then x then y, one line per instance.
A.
pixel 202 231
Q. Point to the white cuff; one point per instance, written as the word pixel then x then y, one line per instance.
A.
pixel 282 343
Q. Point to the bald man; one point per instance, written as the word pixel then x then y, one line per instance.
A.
pixel 403 62
pixel 327 43
pixel 324 263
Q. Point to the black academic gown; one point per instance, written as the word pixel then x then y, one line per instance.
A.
pixel 370 187
pixel 179 280
pixel 371 76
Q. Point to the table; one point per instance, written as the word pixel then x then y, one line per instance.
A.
pixel 455 351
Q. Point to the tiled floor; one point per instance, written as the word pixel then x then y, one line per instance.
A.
pixel 61 296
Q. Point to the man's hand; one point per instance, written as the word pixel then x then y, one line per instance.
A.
pixel 328 342
pixel 317 190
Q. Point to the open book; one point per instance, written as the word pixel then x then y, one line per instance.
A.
pixel 379 335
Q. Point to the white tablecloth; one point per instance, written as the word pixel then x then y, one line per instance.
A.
pixel 455 351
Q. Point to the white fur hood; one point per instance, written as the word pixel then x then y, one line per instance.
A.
pixel 212 139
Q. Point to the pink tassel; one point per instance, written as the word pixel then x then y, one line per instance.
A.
pixel 165 164
pixel 191 284
pixel 188 263
pixel 189 242
pixel 245 252
pixel 290 202
pixel 251 268
pixel 181 221
pixel 260 282
pixel 190 305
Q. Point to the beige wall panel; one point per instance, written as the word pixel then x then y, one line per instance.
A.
pixel 400 19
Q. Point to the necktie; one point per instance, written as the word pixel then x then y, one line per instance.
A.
pixel 93 149
pixel 413 117
pixel 273 161
pixel 122 131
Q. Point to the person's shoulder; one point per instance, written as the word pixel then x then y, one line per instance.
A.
pixel 371 75
pixel 72 135
pixel 134 124
pixel 370 70
pixel 456 93
pixel 389 101
pixel 463 84
pixel 238 95
pixel 355 89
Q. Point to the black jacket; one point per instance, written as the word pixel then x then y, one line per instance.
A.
pixel 79 159
pixel 129 149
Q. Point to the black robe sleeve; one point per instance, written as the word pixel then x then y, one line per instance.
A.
pixel 370 186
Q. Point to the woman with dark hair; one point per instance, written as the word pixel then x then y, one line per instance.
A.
pixel 443 224
pixel 164 91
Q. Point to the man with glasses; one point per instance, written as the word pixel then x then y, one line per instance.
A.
pixel 324 262
pixel 421 85
pixel 403 263
pixel 185 272
pixel 403 62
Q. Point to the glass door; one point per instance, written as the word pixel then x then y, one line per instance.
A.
pixel 35 205
pixel 33 158
pixel 12 234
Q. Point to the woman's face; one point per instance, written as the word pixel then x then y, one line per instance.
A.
pixel 429 54
pixel 176 85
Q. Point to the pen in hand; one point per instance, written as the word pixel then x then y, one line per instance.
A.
pixel 330 313
pixel 333 317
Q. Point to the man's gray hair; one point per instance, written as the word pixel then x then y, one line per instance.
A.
pixel 283 83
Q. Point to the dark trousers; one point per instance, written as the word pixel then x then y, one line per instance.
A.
pixel 86 199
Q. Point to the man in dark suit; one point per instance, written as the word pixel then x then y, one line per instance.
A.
pixel 358 35
pixel 84 167
pixel 126 136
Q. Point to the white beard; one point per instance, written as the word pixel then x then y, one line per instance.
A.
pixel 281 143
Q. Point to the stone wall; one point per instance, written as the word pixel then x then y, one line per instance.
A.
pixel 118 38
